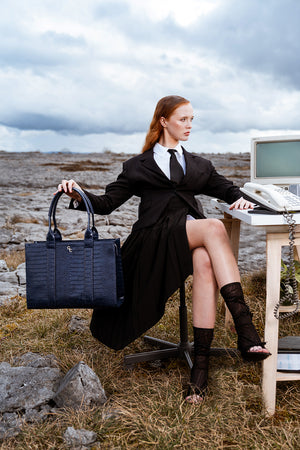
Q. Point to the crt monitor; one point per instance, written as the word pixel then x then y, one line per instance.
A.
pixel 275 160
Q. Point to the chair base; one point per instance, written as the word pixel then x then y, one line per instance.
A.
pixel 182 350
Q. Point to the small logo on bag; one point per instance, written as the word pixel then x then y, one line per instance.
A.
pixel 69 249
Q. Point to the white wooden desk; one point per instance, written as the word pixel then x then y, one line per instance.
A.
pixel 276 237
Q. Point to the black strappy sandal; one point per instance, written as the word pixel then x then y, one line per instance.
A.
pixel 249 338
pixel 198 383
pixel 246 331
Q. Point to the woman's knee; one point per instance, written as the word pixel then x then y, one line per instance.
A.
pixel 204 232
pixel 216 227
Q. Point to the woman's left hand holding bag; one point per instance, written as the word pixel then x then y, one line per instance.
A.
pixel 67 186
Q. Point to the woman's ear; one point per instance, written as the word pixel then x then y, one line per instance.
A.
pixel 162 121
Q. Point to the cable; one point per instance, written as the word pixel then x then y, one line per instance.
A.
pixel 290 280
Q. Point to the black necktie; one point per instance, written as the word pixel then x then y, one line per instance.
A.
pixel 176 170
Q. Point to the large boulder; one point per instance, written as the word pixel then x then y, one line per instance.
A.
pixel 23 388
pixel 80 388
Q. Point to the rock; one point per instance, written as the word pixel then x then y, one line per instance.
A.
pixel 24 388
pixel 25 391
pixel 37 416
pixel 78 325
pixel 12 283
pixel 21 274
pixel 80 387
pixel 17 238
pixel 3 266
pixel 8 277
pixel 32 195
pixel 10 425
pixel 36 360
pixel 79 439
pixel 5 300
pixel 5 236
pixel 7 289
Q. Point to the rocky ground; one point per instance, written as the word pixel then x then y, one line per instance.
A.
pixel 27 183
pixel 28 180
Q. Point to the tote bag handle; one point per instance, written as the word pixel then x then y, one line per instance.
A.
pixel 54 234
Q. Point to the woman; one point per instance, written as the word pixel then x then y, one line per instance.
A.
pixel 171 240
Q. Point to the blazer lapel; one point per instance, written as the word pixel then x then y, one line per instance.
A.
pixel 190 169
pixel 148 161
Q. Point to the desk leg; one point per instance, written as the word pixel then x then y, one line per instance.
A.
pixel 297 252
pixel 273 248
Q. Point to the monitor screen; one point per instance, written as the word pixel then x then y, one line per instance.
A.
pixel 276 160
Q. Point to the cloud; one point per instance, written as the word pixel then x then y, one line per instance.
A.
pixel 260 36
pixel 94 69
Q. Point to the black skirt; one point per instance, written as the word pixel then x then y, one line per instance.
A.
pixel 156 261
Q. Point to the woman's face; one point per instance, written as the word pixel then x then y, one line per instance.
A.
pixel 178 126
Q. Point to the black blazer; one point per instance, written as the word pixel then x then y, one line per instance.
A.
pixel 141 176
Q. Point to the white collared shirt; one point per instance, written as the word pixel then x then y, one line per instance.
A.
pixel 162 157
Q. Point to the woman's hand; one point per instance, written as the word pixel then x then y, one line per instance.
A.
pixel 67 186
pixel 241 203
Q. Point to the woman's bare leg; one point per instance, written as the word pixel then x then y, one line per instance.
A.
pixel 208 237
pixel 211 234
pixel 205 290
pixel 204 303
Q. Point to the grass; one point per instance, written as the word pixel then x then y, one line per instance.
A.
pixel 79 166
pixel 13 258
pixel 145 404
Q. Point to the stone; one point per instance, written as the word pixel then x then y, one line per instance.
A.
pixel 5 236
pixel 21 274
pixel 7 289
pixel 3 266
pixel 80 388
pixel 9 277
pixel 36 360
pixel 32 195
pixel 17 238
pixel 79 439
pixel 37 415
pixel 78 324
pixel 6 300
pixel 23 388
pixel 10 425
pixel 22 291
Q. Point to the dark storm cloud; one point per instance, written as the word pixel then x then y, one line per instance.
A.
pixel 238 65
pixel 60 124
pixel 261 36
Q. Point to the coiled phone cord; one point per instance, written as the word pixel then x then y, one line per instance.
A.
pixel 290 281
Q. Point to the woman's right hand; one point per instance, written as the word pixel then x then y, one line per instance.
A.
pixel 67 186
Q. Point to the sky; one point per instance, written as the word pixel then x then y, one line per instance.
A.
pixel 86 75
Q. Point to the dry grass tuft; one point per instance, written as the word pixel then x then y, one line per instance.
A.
pixel 13 258
pixel 145 407
pixel 80 166
pixel 17 218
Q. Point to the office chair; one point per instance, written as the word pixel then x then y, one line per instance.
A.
pixel 182 350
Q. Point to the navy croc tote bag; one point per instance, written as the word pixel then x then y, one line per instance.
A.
pixel 83 273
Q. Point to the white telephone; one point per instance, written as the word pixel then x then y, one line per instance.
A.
pixel 272 197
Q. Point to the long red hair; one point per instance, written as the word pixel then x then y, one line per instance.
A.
pixel 164 108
